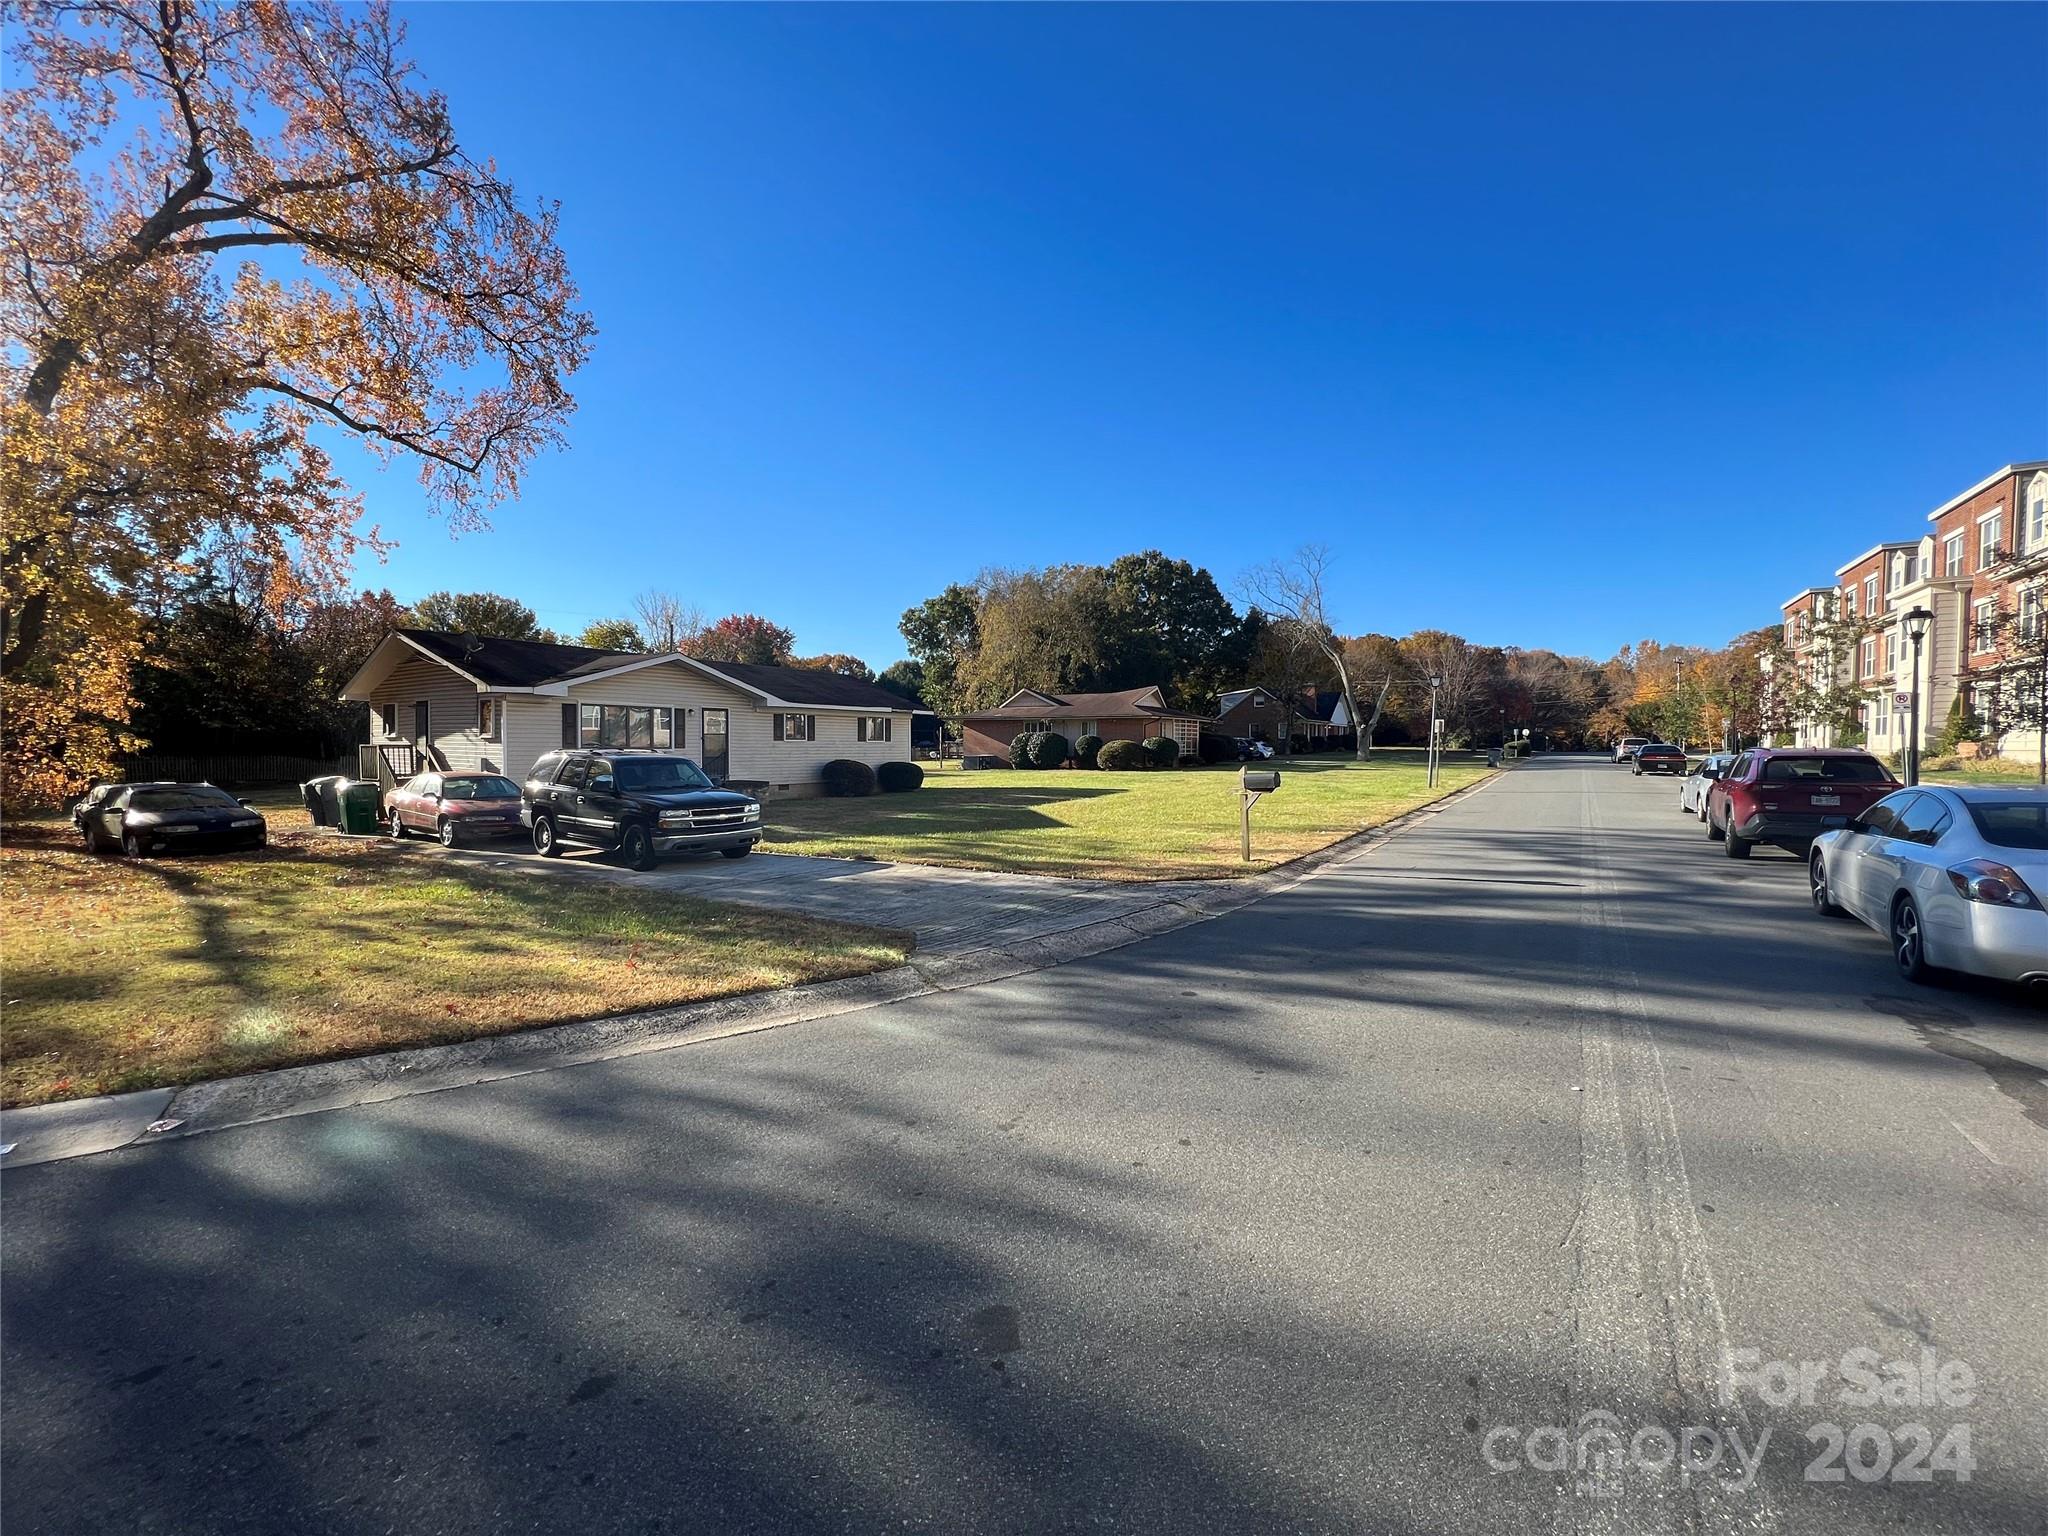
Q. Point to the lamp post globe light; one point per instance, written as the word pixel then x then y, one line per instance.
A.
pixel 1916 621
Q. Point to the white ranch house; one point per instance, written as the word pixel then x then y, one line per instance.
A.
pixel 457 702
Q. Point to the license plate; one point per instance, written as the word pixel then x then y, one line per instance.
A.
pixel 1827 799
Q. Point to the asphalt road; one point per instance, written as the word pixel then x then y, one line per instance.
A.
pixel 1281 1222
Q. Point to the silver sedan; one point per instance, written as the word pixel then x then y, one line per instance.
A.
pixel 1692 794
pixel 1954 877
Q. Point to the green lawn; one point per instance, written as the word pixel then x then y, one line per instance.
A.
pixel 1114 826
pixel 1999 771
pixel 142 973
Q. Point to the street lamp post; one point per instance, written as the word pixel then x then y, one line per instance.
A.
pixel 1916 622
pixel 1435 682
pixel 1765 705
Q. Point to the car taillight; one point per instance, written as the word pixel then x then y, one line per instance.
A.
pixel 1994 884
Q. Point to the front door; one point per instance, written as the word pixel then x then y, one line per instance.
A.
pixel 717 760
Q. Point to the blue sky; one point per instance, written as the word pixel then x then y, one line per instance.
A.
pixel 1560 327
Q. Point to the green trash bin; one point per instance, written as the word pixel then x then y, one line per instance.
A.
pixel 360 801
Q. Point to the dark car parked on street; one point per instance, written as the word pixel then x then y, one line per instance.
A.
pixel 639 804
pixel 453 807
pixel 1788 796
pixel 142 819
pixel 1659 757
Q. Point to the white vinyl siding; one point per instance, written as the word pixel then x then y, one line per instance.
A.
pixel 452 707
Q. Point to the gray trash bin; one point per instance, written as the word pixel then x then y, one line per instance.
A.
pixel 323 798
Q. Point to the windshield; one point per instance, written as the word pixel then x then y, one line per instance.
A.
pixel 2012 823
pixel 198 798
pixel 1825 770
pixel 635 773
pixel 486 786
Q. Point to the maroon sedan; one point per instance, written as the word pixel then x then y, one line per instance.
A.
pixel 454 807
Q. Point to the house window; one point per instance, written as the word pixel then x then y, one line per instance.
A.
pixel 1891 651
pixel 874 728
pixel 1870 594
pixel 2030 613
pixel 487 719
pixel 1989 531
pixel 1952 555
pixel 1981 626
pixel 1849 602
pixel 1868 662
pixel 390 721
pixel 625 726
pixel 796 727
pixel 1883 715
pixel 2035 529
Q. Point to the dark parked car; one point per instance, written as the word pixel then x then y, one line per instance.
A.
pixel 1659 757
pixel 454 806
pixel 142 819
pixel 640 804
pixel 95 801
pixel 1790 795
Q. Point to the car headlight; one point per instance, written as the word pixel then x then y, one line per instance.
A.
pixel 752 810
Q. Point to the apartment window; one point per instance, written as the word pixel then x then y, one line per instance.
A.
pixel 1883 726
pixel 1952 555
pixel 625 726
pixel 796 727
pixel 2030 613
pixel 487 719
pixel 1891 651
pixel 1981 625
pixel 1867 664
pixel 2034 532
pixel 1989 531
pixel 874 728
pixel 1870 594
pixel 1849 601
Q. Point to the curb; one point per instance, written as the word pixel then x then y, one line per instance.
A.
pixel 83 1127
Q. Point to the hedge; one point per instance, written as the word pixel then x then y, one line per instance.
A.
pixel 1085 748
pixel 1122 757
pixel 1163 750
pixel 898 778
pixel 1020 749
pixel 848 776
pixel 1048 749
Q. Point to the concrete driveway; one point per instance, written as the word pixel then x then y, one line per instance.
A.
pixel 950 910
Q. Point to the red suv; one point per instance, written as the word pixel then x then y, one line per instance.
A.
pixel 1790 795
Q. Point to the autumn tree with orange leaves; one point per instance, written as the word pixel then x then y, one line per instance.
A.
pixel 232 232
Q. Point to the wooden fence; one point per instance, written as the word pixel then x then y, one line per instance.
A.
pixel 235 768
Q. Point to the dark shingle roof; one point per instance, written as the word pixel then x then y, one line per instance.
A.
pixel 527 663
pixel 510 663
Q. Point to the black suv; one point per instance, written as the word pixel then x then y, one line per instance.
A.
pixel 643 804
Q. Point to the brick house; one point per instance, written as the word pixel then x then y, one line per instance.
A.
pixel 1985 548
pixel 1262 715
pixel 1134 714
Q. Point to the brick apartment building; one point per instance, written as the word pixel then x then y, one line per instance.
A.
pixel 1984 549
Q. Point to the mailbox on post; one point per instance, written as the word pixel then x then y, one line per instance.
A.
pixel 1252 783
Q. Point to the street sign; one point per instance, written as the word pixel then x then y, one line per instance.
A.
pixel 1902 700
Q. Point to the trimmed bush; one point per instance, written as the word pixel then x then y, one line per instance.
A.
pixel 848 776
pixel 1085 748
pixel 1020 749
pixel 898 778
pixel 1163 750
pixel 1048 750
pixel 1122 757
pixel 1212 748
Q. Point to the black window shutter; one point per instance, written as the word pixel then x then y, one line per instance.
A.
pixel 778 727
pixel 860 729
pixel 810 727
pixel 568 725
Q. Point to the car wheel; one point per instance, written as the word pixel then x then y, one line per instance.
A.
pixel 545 843
pixel 1909 942
pixel 1713 826
pixel 1734 844
pixel 1824 902
pixel 636 848
pixel 738 853
pixel 449 839
pixel 132 846
pixel 399 830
